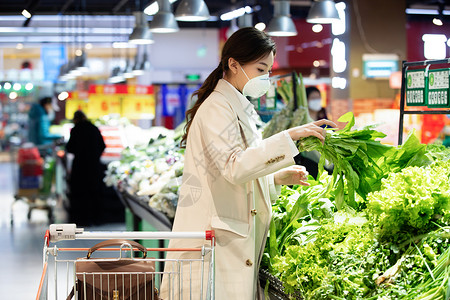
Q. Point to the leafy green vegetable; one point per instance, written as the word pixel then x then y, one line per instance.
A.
pixel 409 200
pixel 390 238
pixel 354 155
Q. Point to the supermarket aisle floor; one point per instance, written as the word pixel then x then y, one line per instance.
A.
pixel 21 244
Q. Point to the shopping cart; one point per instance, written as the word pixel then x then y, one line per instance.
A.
pixel 61 277
pixel 35 170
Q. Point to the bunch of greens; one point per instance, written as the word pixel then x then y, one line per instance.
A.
pixel 296 111
pixel 354 154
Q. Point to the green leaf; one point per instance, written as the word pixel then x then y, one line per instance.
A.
pixel 348 117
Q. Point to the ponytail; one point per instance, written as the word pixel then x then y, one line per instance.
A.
pixel 205 90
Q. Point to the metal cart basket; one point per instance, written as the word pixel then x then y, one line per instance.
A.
pixel 61 275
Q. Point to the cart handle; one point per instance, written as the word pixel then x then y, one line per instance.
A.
pixel 60 232
pixel 47 237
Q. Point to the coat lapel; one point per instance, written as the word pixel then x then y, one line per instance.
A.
pixel 251 134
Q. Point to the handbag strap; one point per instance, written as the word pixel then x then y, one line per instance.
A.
pixel 116 242
pixel 72 293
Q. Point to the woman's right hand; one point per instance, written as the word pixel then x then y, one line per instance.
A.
pixel 311 129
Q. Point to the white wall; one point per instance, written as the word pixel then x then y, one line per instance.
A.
pixel 189 51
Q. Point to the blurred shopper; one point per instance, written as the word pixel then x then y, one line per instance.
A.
pixel 310 159
pixel 86 176
pixel 316 111
pixel 40 117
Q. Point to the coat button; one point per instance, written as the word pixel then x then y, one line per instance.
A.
pixel 248 262
pixel 253 212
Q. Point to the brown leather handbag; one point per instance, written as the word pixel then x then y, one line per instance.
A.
pixel 115 278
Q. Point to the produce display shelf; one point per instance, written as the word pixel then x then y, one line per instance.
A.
pixel 141 209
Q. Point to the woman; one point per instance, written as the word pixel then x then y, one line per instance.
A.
pixel 230 173
pixel 316 111
pixel 40 117
pixel 86 176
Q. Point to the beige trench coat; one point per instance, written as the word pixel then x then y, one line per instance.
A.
pixel 228 187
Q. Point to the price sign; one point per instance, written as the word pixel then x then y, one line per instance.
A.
pixel 138 106
pixel 438 88
pixel 101 105
pixel 415 88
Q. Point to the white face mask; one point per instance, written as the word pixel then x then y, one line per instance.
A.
pixel 257 86
pixel 315 104
pixel 51 115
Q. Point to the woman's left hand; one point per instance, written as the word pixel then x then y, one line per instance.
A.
pixel 292 175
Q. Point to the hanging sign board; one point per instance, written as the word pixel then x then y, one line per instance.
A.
pixel 438 88
pixel 72 105
pixel 76 101
pixel 130 101
pixel 415 88
pixel 138 106
pixel 101 105
pixel 138 102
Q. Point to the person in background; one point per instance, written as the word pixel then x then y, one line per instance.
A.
pixel 86 175
pixel 40 118
pixel 316 111
pixel 231 174
pixel 310 160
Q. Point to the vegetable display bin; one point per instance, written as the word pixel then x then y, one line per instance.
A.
pixel 416 84
pixel 438 88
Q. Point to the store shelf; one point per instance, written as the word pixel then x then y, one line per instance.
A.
pixel 140 208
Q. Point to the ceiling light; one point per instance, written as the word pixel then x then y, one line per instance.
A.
pixel 164 21
pixel 75 73
pixel 322 12
pixel 236 13
pixel 88 46
pixel 116 76
pixel 63 96
pixel 260 26
pixel 26 14
pixel 128 72
pixel 13 95
pixel 153 8
pixel 123 45
pixel 7 86
pixel 317 28
pixel 141 34
pixel 29 86
pixel 437 22
pixel 192 11
pixel 19 46
pixel 17 86
pixel 140 67
pixel 80 63
pixel 281 23
pixel 419 11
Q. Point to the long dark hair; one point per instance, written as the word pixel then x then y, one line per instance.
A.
pixel 245 45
